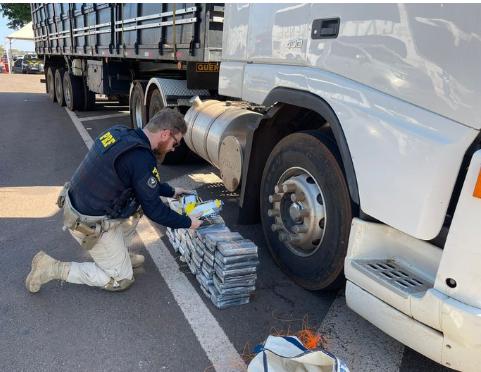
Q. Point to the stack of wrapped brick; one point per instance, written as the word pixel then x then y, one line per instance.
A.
pixel 224 263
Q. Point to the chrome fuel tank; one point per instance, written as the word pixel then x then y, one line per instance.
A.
pixel 216 131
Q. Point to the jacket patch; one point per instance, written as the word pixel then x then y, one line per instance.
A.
pixel 152 182
pixel 148 185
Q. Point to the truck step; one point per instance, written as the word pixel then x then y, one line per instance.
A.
pixel 393 276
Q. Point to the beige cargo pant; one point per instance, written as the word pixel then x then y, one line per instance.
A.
pixel 110 253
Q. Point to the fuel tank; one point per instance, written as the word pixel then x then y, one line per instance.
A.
pixel 216 131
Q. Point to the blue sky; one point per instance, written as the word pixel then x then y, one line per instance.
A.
pixel 16 44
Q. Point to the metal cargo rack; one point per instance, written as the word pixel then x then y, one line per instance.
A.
pixel 151 32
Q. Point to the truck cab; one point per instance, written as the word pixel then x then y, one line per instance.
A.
pixel 350 131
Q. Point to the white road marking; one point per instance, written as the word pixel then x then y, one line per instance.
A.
pixel 83 133
pixel 217 346
pixel 100 117
pixel 357 342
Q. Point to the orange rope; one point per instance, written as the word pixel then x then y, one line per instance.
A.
pixel 308 335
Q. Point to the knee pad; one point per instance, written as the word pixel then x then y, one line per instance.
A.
pixel 117 285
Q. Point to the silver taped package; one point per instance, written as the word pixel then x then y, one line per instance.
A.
pixel 224 263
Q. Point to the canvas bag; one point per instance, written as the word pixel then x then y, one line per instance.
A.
pixel 288 354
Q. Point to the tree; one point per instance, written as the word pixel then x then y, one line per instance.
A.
pixel 18 14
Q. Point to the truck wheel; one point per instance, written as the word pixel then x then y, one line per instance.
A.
pixel 89 97
pixel 137 108
pixel 72 92
pixel 59 86
pixel 156 104
pixel 45 79
pixel 51 83
pixel 306 210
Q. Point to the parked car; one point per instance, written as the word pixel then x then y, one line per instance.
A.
pixel 18 66
pixel 31 63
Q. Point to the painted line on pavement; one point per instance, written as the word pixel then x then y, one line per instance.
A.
pixel 83 132
pixel 212 338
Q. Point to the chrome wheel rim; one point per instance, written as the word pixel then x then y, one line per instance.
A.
pixel 298 207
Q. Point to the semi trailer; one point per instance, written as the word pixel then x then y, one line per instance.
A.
pixel 350 131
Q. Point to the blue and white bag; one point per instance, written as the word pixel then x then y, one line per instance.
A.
pixel 288 354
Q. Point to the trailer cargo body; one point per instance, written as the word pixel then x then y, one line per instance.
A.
pixel 111 45
pixel 173 32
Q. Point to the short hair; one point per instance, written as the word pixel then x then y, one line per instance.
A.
pixel 169 119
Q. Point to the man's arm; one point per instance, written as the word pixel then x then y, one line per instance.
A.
pixel 139 169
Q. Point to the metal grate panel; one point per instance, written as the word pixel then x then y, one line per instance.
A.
pixel 393 276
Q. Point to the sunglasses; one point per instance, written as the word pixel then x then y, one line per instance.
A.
pixel 176 143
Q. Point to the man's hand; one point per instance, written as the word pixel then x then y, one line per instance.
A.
pixel 195 222
pixel 179 191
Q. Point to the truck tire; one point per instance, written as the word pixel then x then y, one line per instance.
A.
pixel 72 92
pixel 89 97
pixel 156 104
pixel 45 79
pixel 51 83
pixel 59 86
pixel 306 210
pixel 138 115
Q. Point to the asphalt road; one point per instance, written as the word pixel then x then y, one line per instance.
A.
pixel 150 327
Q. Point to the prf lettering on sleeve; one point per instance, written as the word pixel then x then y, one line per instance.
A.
pixel 107 139
pixel 156 173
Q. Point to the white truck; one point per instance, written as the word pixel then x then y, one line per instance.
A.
pixel 352 132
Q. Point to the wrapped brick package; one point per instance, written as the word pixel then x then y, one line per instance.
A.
pixel 223 262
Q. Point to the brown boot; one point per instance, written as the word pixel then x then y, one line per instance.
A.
pixel 136 259
pixel 45 269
